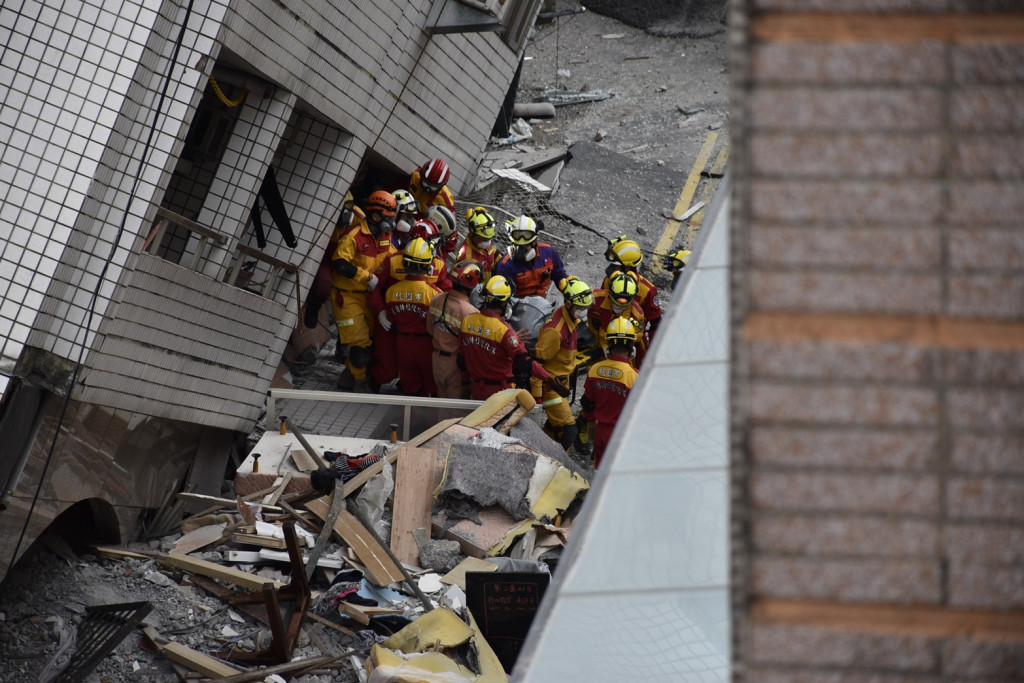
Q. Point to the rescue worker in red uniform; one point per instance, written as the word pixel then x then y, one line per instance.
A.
pixel 356 265
pixel 444 323
pixel 444 219
pixel 429 186
pixel 479 244
pixel 625 255
pixel 556 351
pixel 531 265
pixel 406 304
pixel 617 301
pixel 490 350
pixel 384 365
pixel 320 291
pixel 608 385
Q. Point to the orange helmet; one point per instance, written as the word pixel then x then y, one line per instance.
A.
pixel 382 201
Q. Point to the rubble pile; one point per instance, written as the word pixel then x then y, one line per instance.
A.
pixel 362 579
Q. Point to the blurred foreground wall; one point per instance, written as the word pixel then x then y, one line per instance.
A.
pixel 878 329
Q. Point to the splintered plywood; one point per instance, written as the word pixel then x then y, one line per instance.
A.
pixel 381 568
pixel 416 475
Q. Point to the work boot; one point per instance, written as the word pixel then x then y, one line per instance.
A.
pixel 364 386
pixel 346 382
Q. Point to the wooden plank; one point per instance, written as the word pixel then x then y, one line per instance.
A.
pixel 330 624
pixel 197 661
pixel 112 553
pixel 276 495
pixel 379 565
pixel 198 538
pixel 303 461
pixel 216 571
pixel 416 477
pixel 261 541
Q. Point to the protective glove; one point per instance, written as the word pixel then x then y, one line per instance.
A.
pixel 371 284
pixel 557 387
pixel 384 321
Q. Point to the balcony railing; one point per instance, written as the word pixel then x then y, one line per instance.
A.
pixel 208 239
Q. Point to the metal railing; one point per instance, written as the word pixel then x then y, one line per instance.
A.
pixel 405 402
pixel 208 238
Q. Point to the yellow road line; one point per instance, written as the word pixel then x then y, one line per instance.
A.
pixel 697 219
pixel 685 197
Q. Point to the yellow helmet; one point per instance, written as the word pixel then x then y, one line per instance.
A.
pixel 578 293
pixel 417 253
pixel 349 202
pixel 677 259
pixel 622 287
pixel 497 290
pixel 620 331
pixel 480 222
pixel 625 252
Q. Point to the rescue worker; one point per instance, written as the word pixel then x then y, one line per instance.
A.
pixel 674 263
pixel 531 265
pixel 406 303
pixel 320 291
pixel 556 351
pixel 444 218
pixel 617 301
pixel 479 244
pixel 490 350
pixel 356 264
pixel 608 384
pixel 624 254
pixel 384 364
pixel 444 323
pixel 429 186
pixel 405 217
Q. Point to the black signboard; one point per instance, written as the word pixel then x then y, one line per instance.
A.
pixel 504 604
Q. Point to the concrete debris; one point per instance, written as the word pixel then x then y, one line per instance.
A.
pixel 561 98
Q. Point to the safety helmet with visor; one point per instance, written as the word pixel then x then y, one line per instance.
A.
pixel 434 175
pixel 467 274
pixel 622 290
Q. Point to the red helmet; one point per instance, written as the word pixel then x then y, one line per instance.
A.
pixel 467 274
pixel 426 229
pixel 382 201
pixel 434 175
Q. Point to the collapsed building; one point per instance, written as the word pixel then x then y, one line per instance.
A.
pixel 173 174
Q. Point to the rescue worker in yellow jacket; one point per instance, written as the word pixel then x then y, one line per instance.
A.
pixel 356 265
pixel 617 301
pixel 625 255
pixel 556 351
pixel 479 244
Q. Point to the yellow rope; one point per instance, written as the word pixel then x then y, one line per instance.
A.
pixel 224 98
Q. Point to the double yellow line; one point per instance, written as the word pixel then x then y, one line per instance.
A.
pixel 673 225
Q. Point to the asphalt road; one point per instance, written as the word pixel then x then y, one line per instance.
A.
pixel 631 155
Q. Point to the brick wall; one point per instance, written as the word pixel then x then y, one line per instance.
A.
pixel 878 326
